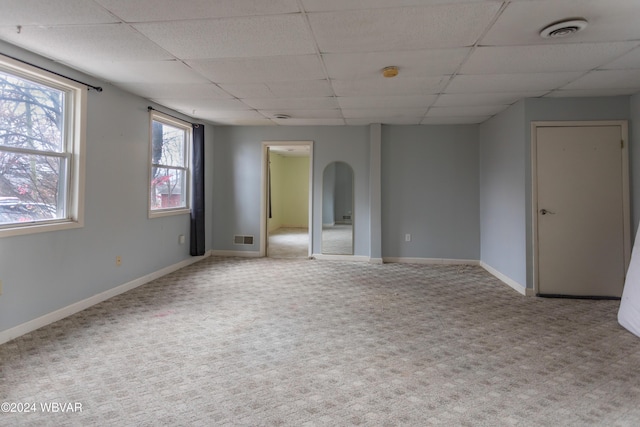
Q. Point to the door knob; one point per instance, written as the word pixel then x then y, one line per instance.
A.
pixel 545 212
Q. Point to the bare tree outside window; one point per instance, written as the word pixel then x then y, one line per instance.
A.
pixel 34 162
pixel 168 166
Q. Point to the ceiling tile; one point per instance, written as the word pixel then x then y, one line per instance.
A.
pixel 580 93
pixel 187 106
pixel 328 5
pixel 471 99
pixel 384 120
pixel 239 62
pixel 242 122
pixel 175 90
pixel 375 30
pixel 607 79
pixel 543 58
pixel 487 83
pixel 521 22
pixel 291 89
pixel 454 120
pixel 146 72
pixel 218 114
pixel 361 113
pixel 395 86
pixel 296 113
pixel 482 110
pixel 309 122
pixel 167 10
pixel 82 45
pixel 256 70
pixel 629 60
pixel 292 103
pixel 410 101
pixel 234 37
pixel 346 66
pixel 52 12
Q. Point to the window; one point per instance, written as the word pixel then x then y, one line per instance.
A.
pixel 169 183
pixel 41 150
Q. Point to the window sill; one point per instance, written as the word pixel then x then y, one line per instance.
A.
pixel 34 228
pixel 168 212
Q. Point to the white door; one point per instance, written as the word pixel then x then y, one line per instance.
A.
pixel 581 210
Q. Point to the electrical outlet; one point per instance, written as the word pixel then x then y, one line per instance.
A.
pixel 407 237
pixel 118 260
pixel 181 239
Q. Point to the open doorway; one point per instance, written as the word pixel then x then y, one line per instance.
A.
pixel 286 228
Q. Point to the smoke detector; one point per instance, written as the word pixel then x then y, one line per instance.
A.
pixel 563 28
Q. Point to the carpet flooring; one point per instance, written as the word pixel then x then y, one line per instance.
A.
pixel 292 342
pixel 288 242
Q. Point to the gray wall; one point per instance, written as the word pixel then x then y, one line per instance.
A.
pixel 343 191
pixel 634 159
pixel 328 190
pixel 430 190
pixel 238 169
pixel 505 175
pixel 429 186
pixel 562 109
pixel 503 193
pixel 45 272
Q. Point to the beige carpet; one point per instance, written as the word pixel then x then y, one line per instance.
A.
pixel 271 342
pixel 288 242
pixel 337 239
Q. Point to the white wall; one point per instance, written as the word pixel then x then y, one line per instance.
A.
pixel 45 272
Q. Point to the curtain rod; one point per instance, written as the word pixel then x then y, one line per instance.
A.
pixel 150 108
pixel 96 88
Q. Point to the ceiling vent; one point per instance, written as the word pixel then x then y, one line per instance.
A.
pixel 563 28
pixel 282 116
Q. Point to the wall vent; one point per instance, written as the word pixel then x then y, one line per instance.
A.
pixel 242 240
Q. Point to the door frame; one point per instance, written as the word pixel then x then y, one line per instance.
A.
pixel 626 211
pixel 265 191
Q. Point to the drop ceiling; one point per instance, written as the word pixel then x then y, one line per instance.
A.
pixel 243 62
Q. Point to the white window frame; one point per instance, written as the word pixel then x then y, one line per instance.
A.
pixel 188 128
pixel 74 145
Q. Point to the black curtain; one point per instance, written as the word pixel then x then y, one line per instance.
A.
pixel 197 193
pixel 269 180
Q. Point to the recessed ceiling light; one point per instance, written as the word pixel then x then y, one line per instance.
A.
pixel 282 116
pixel 563 28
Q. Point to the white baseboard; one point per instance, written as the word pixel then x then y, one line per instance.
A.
pixel 503 278
pixel 244 254
pixel 376 261
pixel 326 257
pixel 446 261
pixel 508 280
pixel 74 308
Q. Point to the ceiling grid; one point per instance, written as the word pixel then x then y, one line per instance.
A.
pixel 245 62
